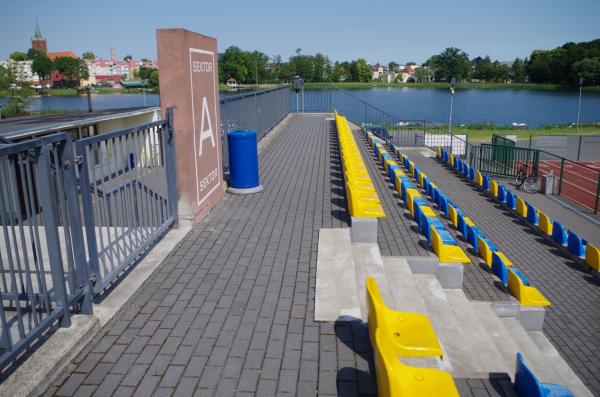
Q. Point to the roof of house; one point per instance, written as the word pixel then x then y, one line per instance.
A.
pixel 56 54
pixel 30 126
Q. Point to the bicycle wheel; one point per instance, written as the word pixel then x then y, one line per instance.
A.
pixel 531 185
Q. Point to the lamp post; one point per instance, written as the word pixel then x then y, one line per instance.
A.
pixel 452 84
pixel 579 106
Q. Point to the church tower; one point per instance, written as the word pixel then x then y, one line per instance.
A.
pixel 38 42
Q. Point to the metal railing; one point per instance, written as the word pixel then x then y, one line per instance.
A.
pixel 64 239
pixel 258 111
pixel 128 195
pixel 42 258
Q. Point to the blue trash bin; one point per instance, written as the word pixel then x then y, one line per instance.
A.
pixel 243 162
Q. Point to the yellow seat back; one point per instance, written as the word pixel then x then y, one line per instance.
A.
pixel 521 207
pixel 592 256
pixel 375 305
pixel 545 225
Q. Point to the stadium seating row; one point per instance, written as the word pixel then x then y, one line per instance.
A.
pixel 361 194
pixel 510 276
pixel 396 334
pixel 568 239
pixel 442 243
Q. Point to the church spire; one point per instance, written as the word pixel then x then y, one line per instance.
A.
pixel 38 31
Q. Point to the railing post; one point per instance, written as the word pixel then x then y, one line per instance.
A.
pixel 88 215
pixel 75 226
pixel 170 168
pixel 579 148
pixel 560 179
pixel 47 195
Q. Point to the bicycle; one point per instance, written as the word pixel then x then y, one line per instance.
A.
pixel 529 183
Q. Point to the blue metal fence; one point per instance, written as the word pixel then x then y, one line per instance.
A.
pixel 64 239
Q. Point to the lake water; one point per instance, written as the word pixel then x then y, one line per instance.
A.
pixel 535 108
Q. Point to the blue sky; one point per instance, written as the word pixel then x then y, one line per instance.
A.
pixel 379 31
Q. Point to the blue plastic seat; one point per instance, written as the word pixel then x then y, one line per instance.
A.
pixel 427 222
pixel 386 156
pixel 461 224
pixel 528 385
pixel 443 204
pixel 502 193
pixel 465 169
pixel 392 172
pixel 405 185
pixel 486 183
pixel 472 233
pixel 426 184
pixel 472 174
pixel 500 269
pixel 511 199
pixel 447 239
pixel 559 234
pixel 532 215
pixel 575 244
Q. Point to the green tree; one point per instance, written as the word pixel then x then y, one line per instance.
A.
pixel 360 71
pixel 256 63
pixel 144 73
pixel 589 69
pixel 70 68
pixel 84 72
pixel 518 70
pixel 42 65
pixel 501 72
pixel 6 78
pixel 538 66
pixel 339 72
pixel 127 58
pixel 452 62
pixel 31 53
pixel 88 56
pixel 421 74
pixel 153 80
pixel 234 64
pixel 19 56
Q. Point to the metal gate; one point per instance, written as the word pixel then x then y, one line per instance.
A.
pixel 506 161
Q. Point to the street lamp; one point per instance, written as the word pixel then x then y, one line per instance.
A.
pixel 452 84
pixel 579 107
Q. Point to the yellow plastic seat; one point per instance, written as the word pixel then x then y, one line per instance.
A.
pixel 494 188
pixel 527 295
pixel 545 224
pixel 451 160
pixel 484 251
pixel 396 379
pixel 427 210
pixel 447 253
pixel 453 215
pixel 521 207
pixel 422 176
pixel 410 196
pixel 592 256
pixel 478 178
pixel 412 169
pixel 438 151
pixel 407 334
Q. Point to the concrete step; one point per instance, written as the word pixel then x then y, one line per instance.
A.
pixel 498 335
pixel 336 295
pixel 489 356
pixel 402 285
pixel 460 358
pixel 535 359
pixel 560 365
pixel 368 262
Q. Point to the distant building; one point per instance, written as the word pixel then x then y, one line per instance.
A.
pixel 383 73
pixel 232 82
pixel 38 42
pixel 21 70
pixel 106 72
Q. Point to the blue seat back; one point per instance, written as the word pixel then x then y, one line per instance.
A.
pixel 472 233
pixel 527 384
pixel 427 222
pixel 559 233
pixel 532 215
pixel 471 173
pixel 575 244
pixel 461 224
pixel 511 199
pixel 502 193
pixel 392 172
pixel 486 182
pixel 499 268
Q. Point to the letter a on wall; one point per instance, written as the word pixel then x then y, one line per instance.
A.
pixel 189 83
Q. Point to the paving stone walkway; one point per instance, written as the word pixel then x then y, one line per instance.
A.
pixel 230 311
pixel 573 321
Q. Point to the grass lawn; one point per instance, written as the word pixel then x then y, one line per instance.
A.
pixel 483 135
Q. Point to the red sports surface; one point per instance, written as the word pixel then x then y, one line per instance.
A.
pixel 579 180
